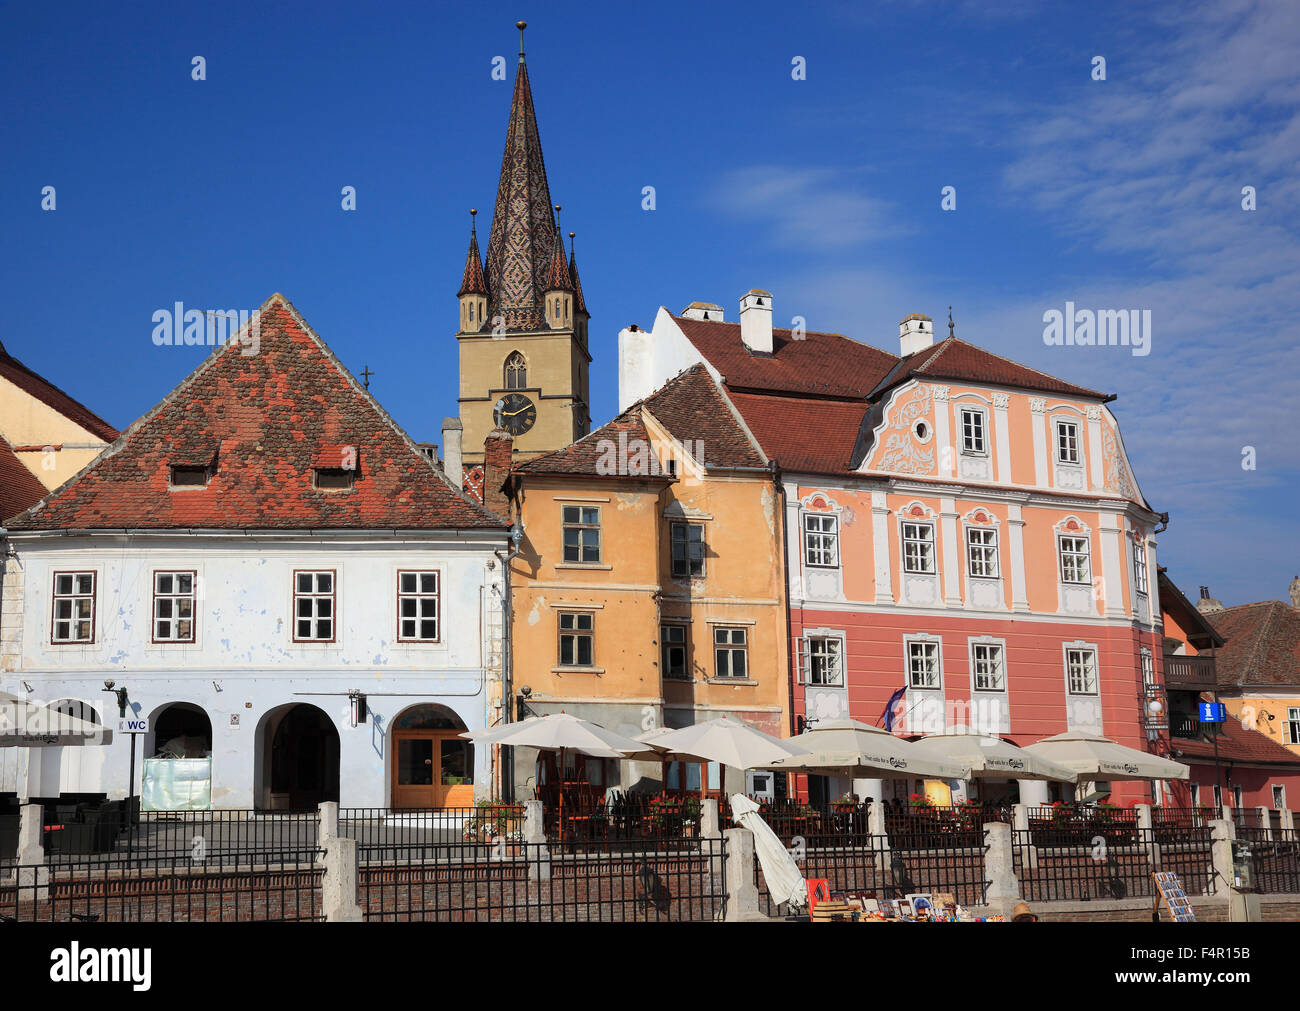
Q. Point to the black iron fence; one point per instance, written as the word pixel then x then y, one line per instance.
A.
pixel 240 887
pixel 1274 857
pixel 653 881
pixel 124 837
pixel 1081 824
pixel 887 867
pixel 1063 869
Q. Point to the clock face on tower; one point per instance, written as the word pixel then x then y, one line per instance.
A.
pixel 515 413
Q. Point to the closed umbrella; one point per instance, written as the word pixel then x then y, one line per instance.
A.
pixel 1095 757
pixel 847 746
pixel 991 757
pixel 784 881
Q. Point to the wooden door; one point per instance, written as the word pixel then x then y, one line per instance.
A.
pixel 432 769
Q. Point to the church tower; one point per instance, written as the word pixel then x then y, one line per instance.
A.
pixel 524 361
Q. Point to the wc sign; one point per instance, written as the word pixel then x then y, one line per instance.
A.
pixel 133 725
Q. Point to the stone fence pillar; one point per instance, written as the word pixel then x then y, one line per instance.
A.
pixel 1003 890
pixel 339 895
pixel 709 826
pixel 877 829
pixel 327 826
pixel 742 891
pixel 536 850
pixel 1020 823
pixel 33 874
pixel 1221 837
pixel 1147 835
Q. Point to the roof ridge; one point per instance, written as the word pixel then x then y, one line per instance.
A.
pixel 1022 365
pixel 786 329
pixel 365 397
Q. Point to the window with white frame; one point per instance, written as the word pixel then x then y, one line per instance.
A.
pixel 672 649
pixel 982 551
pixel 824 661
pixel 417 606
pixel 1148 669
pixel 688 549
pixel 1237 800
pixel 1140 566
pixel 988 666
pixel 313 606
pixel 1218 798
pixel 1075 558
pixel 577 639
pixel 821 540
pixel 973 439
pixel 173 607
pixel 73 617
pixel 1067 441
pixel 731 652
pixel 1279 795
pixel 1293 726
pixel 581 532
pixel 923 665
pixel 918 547
pixel 1196 794
pixel 1081 671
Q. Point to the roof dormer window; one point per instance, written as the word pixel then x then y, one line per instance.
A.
pixel 185 475
pixel 334 478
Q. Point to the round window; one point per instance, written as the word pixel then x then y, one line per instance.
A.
pixel 922 431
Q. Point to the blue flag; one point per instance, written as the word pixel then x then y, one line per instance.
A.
pixel 888 715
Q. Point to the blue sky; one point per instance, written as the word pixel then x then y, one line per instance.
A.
pixel 1117 194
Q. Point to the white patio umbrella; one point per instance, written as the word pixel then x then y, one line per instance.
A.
pixel 1095 757
pixel 840 746
pixel 25 724
pixel 784 881
pixel 560 732
pixel 725 740
pixel 990 757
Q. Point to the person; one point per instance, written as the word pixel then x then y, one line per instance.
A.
pixel 1022 914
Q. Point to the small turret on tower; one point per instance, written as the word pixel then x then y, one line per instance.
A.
pixel 559 287
pixel 473 292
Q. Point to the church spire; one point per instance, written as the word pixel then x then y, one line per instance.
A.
pixel 472 281
pixel 523 236
pixel 579 304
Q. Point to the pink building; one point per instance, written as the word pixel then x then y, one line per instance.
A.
pixel 961 531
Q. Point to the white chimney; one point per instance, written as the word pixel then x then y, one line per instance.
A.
pixel 915 333
pixel 451 460
pixel 756 320
pixel 703 310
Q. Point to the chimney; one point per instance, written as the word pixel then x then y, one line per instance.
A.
pixel 756 320
pixel 497 449
pixel 451 460
pixel 703 310
pixel 915 333
pixel 1207 604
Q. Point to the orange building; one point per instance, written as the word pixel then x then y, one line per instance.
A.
pixel 647 590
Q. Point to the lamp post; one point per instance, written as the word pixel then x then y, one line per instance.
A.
pixel 121 694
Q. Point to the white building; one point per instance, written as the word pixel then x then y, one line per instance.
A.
pixel 289 589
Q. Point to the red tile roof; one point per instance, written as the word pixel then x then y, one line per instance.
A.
pixel 1236 744
pixel 590 455
pixel 19 487
pixel 265 419
pixel 693 410
pixel 960 361
pixel 50 395
pixel 804 434
pixel 820 365
pixel 1263 644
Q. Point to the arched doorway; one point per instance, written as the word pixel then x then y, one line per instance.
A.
pixel 432 765
pixel 304 759
pixel 182 730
